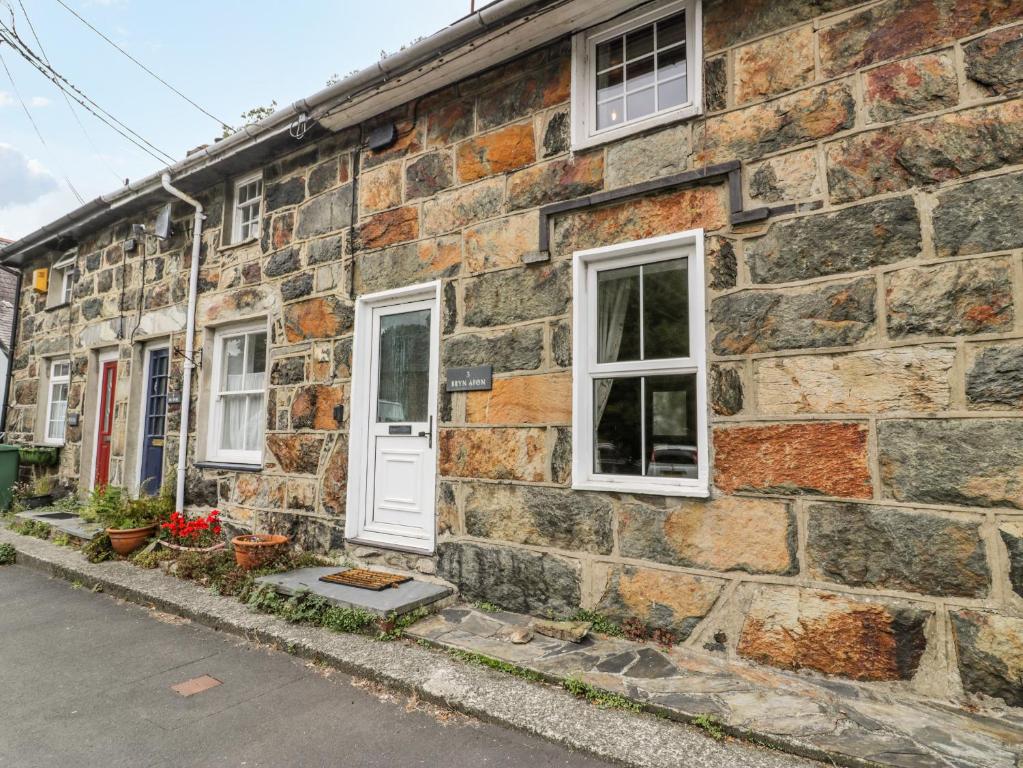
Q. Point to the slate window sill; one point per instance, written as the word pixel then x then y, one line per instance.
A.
pixel 228 466
pixel 55 307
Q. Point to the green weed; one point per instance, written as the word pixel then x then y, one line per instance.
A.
pixel 709 725
pixel 8 554
pixel 600 622
pixel 596 696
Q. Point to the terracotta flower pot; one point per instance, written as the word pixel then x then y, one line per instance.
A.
pixel 127 540
pixel 256 549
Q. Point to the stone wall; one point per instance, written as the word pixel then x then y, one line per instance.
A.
pixel 866 354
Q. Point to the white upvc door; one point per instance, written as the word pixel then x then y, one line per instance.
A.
pixel 393 451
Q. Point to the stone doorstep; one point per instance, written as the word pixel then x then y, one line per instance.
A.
pixel 386 602
pixel 71 525
pixel 847 720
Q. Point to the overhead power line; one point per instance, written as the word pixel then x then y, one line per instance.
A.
pixel 35 127
pixel 11 37
pixel 142 66
pixel 67 99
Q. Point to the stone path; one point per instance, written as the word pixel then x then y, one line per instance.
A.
pixel 813 715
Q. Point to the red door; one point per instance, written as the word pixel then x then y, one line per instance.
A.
pixel 108 379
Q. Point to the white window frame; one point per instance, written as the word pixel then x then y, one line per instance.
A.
pixel 237 222
pixel 61 270
pixel 216 411
pixel 584 102
pixel 52 380
pixel 585 368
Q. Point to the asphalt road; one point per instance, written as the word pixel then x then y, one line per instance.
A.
pixel 85 681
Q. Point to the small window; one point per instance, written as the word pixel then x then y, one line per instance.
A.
pixel 56 401
pixel 238 407
pixel 61 282
pixel 248 197
pixel 640 422
pixel 633 73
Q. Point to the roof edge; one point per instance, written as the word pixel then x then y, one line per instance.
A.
pixel 458 33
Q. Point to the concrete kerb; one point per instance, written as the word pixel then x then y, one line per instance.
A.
pixel 546 711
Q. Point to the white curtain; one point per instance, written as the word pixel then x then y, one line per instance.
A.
pixel 612 307
pixel 233 434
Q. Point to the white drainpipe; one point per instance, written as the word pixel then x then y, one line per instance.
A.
pixel 193 289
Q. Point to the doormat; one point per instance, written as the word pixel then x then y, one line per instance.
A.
pixel 360 577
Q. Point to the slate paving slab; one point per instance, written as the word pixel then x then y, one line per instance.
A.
pixel 393 600
pixel 70 524
pixel 845 719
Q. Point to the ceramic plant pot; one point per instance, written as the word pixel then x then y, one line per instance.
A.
pixel 257 549
pixel 127 540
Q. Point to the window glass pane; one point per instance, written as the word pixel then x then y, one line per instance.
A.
pixel 639 43
pixel 234 423
pixel 618 315
pixel 403 375
pixel 617 419
pixel 666 309
pixel 610 113
pixel 254 423
pixel 609 54
pixel 671 93
pixel 640 104
pixel 609 84
pixel 639 75
pixel 671 447
pixel 671 30
pixel 234 363
pixel 671 63
pixel 256 361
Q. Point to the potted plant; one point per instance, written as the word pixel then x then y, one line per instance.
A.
pixel 254 550
pixel 128 522
pixel 198 534
pixel 39 455
pixel 36 494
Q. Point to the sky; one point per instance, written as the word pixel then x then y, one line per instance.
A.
pixel 226 55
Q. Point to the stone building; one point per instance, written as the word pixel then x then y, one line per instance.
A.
pixel 745 274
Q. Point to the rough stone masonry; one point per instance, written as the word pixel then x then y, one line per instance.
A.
pixel 866 372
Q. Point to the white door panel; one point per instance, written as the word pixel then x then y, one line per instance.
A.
pixel 397 372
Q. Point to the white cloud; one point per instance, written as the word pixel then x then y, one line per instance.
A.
pixel 8 100
pixel 22 180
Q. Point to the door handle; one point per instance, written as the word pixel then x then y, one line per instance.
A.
pixel 429 433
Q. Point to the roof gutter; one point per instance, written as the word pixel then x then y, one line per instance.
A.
pixel 460 32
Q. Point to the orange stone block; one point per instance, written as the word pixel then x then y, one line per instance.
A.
pixel 503 150
pixel 495 454
pixel 544 399
pixel 828 458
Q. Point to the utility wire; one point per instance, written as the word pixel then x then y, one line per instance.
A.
pixel 11 38
pixel 144 68
pixel 35 127
pixel 67 100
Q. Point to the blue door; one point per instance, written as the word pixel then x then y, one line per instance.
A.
pixel 154 422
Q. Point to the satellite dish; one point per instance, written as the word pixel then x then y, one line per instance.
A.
pixel 163 222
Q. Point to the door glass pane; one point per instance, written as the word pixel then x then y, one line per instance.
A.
pixel 671 426
pixel 617 439
pixel 666 309
pixel 618 315
pixel 403 372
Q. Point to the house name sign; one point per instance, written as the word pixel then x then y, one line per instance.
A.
pixel 471 379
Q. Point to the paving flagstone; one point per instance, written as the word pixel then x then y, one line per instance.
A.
pixel 842 718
